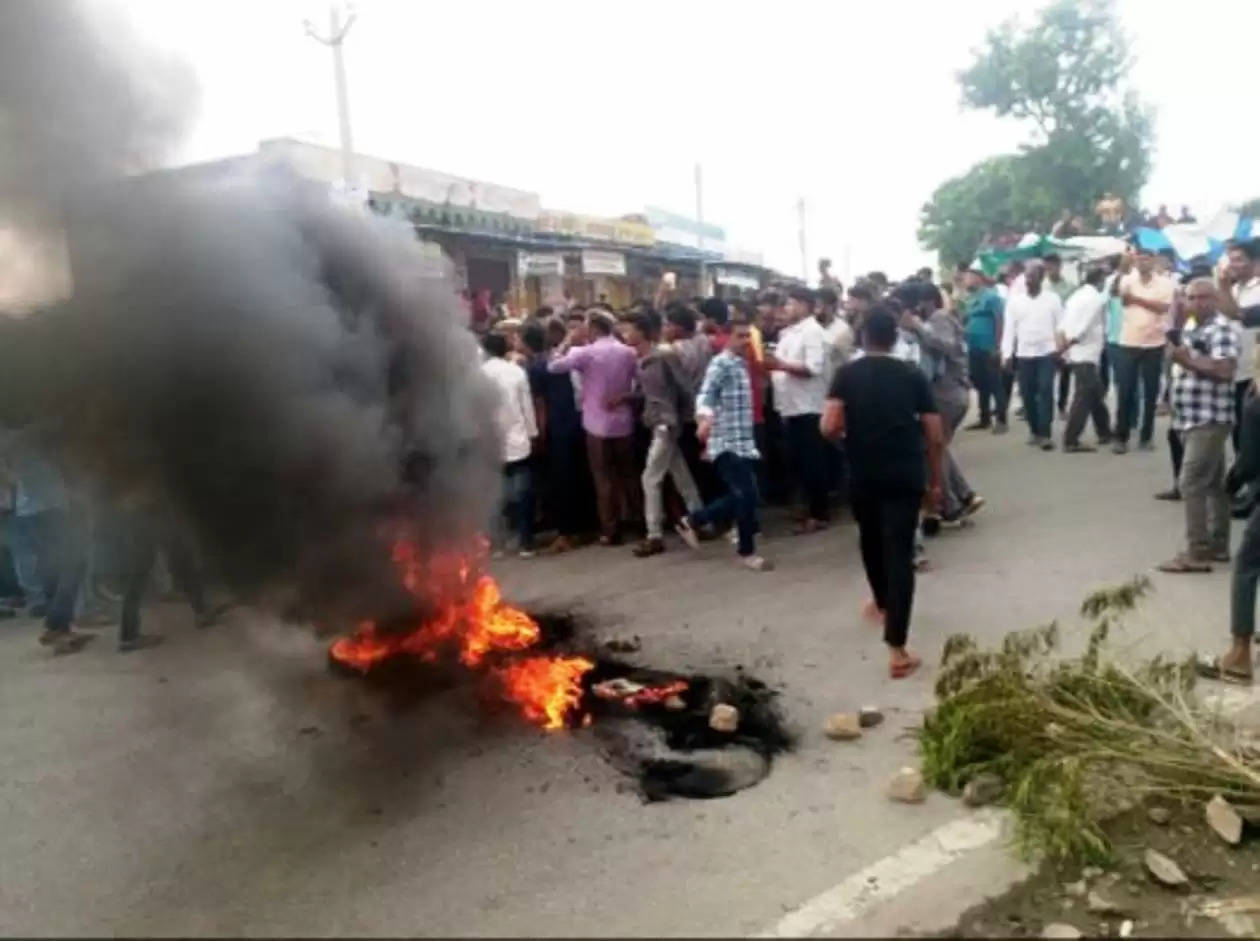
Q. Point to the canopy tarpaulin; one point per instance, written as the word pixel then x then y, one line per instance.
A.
pixel 1093 247
pixel 994 260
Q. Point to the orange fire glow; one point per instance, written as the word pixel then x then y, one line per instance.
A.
pixel 548 689
pixel 471 621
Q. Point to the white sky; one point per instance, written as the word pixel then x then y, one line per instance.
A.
pixel 605 108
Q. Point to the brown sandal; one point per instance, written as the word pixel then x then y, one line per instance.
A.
pixel 903 668
pixel 1210 669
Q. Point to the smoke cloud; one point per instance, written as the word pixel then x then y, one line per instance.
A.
pixel 273 367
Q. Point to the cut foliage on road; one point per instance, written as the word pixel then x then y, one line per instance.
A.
pixel 1075 740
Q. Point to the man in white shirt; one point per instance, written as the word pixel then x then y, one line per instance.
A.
pixel 836 331
pixel 1033 317
pixel 1081 344
pixel 518 427
pixel 1147 297
pixel 799 372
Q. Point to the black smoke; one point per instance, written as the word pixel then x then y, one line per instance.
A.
pixel 274 368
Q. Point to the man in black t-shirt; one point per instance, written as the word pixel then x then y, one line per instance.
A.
pixel 884 410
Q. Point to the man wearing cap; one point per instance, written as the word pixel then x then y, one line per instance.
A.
pixel 1147 298
pixel 983 321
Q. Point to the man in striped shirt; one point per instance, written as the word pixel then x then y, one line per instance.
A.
pixel 724 412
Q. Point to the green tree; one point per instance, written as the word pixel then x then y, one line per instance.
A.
pixel 1064 77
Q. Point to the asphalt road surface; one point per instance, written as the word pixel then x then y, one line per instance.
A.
pixel 227 784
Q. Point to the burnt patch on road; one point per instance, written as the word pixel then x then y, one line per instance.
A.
pixel 674 734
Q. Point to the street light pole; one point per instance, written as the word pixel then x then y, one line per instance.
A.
pixel 337 31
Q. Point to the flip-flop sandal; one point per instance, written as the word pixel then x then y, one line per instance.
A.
pixel 1184 566
pixel 1210 669
pixel 899 671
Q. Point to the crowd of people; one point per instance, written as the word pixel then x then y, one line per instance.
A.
pixel 702 411
pixel 689 415
pixel 1186 342
pixel 686 417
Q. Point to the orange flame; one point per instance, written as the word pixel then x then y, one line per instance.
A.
pixel 472 622
pixel 548 689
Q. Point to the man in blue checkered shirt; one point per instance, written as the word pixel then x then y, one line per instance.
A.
pixel 1204 364
pixel 724 417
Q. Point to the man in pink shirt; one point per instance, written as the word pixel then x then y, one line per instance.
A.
pixel 607 370
pixel 1147 297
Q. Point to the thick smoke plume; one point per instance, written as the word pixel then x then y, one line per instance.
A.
pixel 272 367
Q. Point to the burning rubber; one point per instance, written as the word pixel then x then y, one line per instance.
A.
pixel 692 736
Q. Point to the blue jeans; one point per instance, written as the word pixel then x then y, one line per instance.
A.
pixel 1136 364
pixel 739 501
pixel 518 493
pixel 1036 388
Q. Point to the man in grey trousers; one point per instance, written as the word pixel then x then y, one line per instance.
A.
pixel 1204 362
pixel 942 338
pixel 668 401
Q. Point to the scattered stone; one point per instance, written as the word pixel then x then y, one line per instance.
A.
pixel 907 787
pixel 1126 928
pixel 1091 872
pixel 1224 820
pixel 870 716
pixel 674 703
pixel 1077 889
pixel 843 726
pixel 724 718
pixel 310 730
pixel 984 788
pixel 1060 930
pixel 1100 904
pixel 1165 871
pixel 1159 815
pixel 623 645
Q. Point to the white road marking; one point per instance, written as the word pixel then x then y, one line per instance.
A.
pixel 891 875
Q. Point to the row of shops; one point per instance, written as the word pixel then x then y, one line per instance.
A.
pixel 500 240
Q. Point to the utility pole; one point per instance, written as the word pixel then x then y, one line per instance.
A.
pixel 800 219
pixel 700 226
pixel 337 31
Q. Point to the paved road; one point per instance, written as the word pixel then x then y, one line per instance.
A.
pixel 227 784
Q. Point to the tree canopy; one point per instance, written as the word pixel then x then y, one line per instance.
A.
pixel 1064 76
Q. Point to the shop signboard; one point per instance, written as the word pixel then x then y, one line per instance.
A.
pixel 596 229
pixel 609 263
pixel 680 230
pixel 540 264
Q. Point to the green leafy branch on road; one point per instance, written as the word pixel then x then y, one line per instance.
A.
pixel 1076 739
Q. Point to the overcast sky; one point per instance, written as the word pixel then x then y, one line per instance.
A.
pixel 605 108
